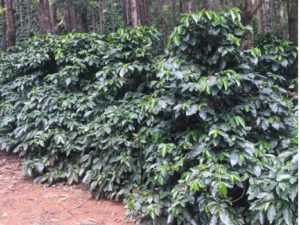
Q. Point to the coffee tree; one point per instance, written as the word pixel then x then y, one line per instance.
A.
pixel 202 134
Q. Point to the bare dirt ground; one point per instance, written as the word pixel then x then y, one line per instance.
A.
pixel 24 203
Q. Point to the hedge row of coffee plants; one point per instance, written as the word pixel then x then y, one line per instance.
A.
pixel 202 134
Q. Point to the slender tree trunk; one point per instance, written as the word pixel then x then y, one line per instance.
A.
pixel 281 17
pixel 147 13
pixel 29 18
pixel 223 3
pixel 45 17
pixel 207 4
pixel 141 13
pixel 163 21
pixel 174 16
pixel 21 16
pixel 10 24
pixel 247 12
pixel 124 11
pixel 69 16
pixel 190 6
pixel 94 21
pixel 83 18
pixel 144 12
pixel 264 17
pixel 102 15
pixel 134 13
pixel 3 42
pixel 54 20
pixel 293 20
pixel 181 6
pixel 138 9
pixel 113 13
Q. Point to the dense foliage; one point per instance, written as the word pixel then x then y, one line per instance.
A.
pixel 200 135
pixel 279 56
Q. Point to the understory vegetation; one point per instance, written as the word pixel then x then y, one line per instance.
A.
pixel 202 133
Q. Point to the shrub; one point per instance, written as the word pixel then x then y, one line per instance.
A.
pixel 279 56
pixel 200 135
pixel 52 86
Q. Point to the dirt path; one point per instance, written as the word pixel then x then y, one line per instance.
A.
pixel 24 203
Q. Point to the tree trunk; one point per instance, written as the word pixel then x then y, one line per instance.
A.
pixel 45 17
pixel 141 13
pixel 223 3
pixel 181 6
pixel 293 20
pixel 207 4
pixel 281 16
pixel 174 16
pixel 3 42
pixel 264 17
pixel 247 12
pixel 83 18
pixel 163 21
pixel 102 15
pixel 10 24
pixel 113 15
pixel 54 21
pixel 29 18
pixel 94 20
pixel 69 16
pixel 20 12
pixel 144 13
pixel 124 11
pixel 190 6
pixel 134 13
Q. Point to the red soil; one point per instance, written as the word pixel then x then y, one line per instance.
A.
pixel 24 203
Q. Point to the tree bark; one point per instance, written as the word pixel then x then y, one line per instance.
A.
pixel 223 3
pixel 10 24
pixel 54 20
pixel 69 16
pixel 124 11
pixel 293 20
pixel 264 17
pixel 83 18
pixel 94 21
pixel 190 6
pixel 29 18
pixel 247 12
pixel 113 12
pixel 45 17
pixel 20 13
pixel 207 4
pixel 281 16
pixel 3 42
pixel 144 12
pixel 174 15
pixel 102 15
pixel 163 21
pixel 181 6
pixel 134 13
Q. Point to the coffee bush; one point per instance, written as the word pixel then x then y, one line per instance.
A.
pixel 202 134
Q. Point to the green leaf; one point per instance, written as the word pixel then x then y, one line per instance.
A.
pixel 222 189
pixel 271 214
pixel 196 185
pixel 284 63
pixel 234 159
pixel 214 220
pixel 191 110
pixel 225 218
pixel 288 216
pixel 257 171
pixel 68 81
